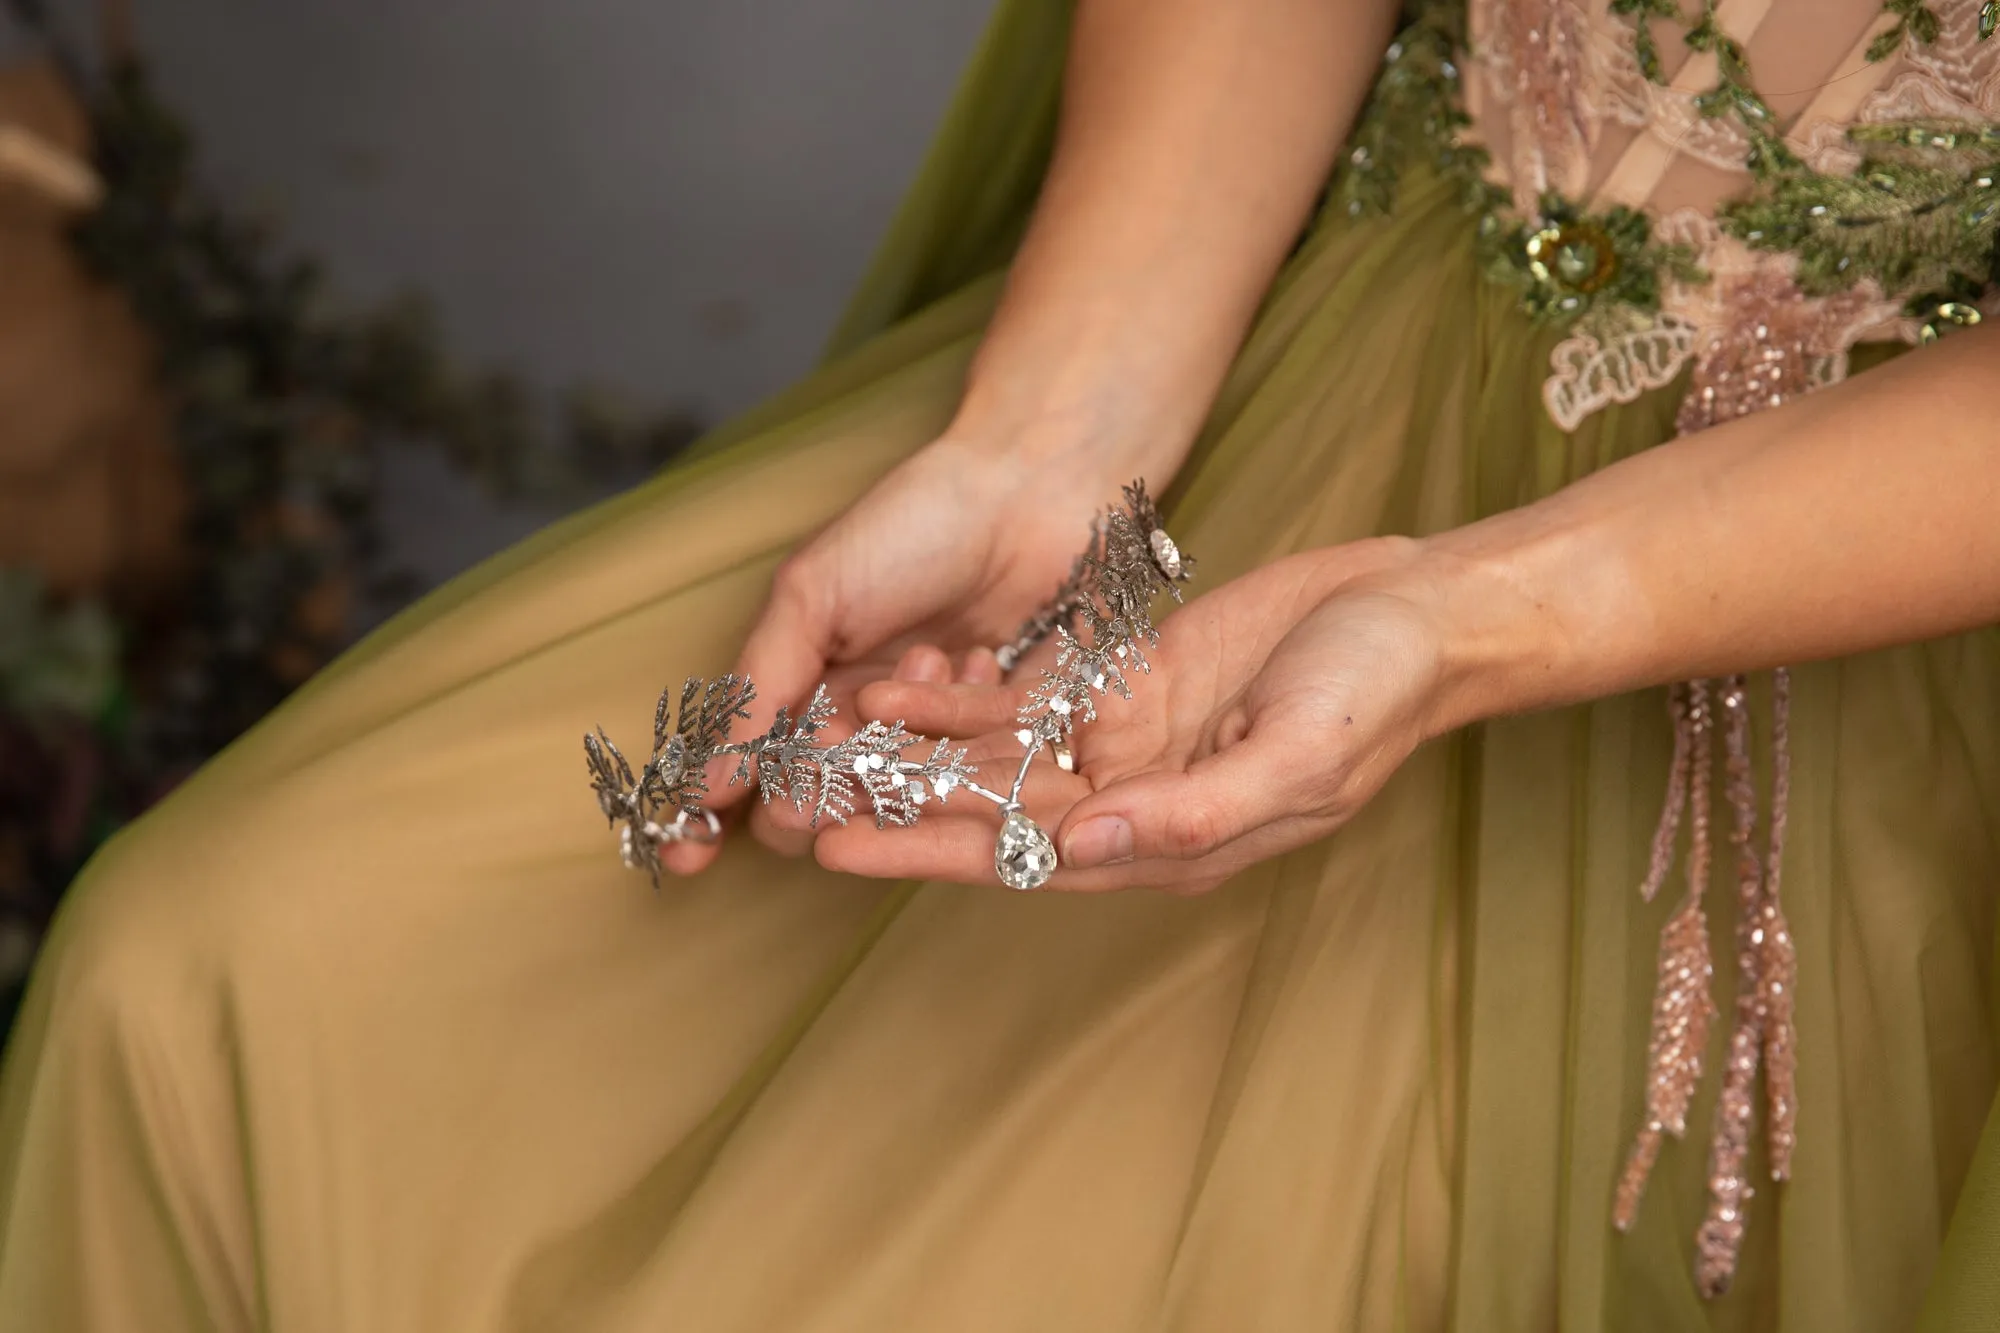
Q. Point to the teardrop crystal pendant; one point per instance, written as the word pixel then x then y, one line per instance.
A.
pixel 1023 856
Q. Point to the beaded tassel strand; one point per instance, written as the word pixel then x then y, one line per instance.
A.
pixel 1762 1033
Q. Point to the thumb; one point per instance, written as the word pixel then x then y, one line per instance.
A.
pixel 785 657
pixel 1176 815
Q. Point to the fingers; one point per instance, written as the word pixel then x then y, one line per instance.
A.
pixel 930 697
pixel 689 857
pixel 957 711
pixel 955 848
pixel 952 844
pixel 924 664
pixel 780 828
pixel 777 824
pixel 785 656
pixel 1178 815
pixel 922 675
pixel 980 667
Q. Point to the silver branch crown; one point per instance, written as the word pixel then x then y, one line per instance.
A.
pixel 1101 617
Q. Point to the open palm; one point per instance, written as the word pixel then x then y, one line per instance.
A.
pixel 1276 705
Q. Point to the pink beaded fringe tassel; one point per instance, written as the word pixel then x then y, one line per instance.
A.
pixel 1762 1033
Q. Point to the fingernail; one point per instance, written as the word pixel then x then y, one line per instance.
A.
pixel 924 665
pixel 982 667
pixel 1104 841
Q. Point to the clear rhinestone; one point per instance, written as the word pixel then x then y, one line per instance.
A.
pixel 1025 736
pixel 918 795
pixel 1023 856
pixel 874 761
pixel 897 779
pixel 944 782
pixel 860 763
pixel 1059 705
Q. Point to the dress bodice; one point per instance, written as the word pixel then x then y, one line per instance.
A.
pixel 1747 186
pixel 1559 95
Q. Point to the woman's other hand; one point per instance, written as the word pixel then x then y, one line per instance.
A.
pixel 1277 704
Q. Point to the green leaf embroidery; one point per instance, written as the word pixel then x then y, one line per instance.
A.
pixel 1921 213
pixel 1920 217
pixel 1644 47
pixel 1915 22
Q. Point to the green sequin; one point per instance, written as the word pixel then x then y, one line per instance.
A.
pixel 1567 264
pixel 1414 116
pixel 1922 212
pixel 1947 317
pixel 1920 216
pixel 1915 22
pixel 1644 46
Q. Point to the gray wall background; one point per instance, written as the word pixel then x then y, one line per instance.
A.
pixel 667 197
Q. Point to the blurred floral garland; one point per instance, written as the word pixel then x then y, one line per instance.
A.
pixel 283 410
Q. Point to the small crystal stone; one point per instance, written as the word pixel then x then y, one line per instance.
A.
pixel 1025 736
pixel 897 779
pixel 874 761
pixel 944 782
pixel 860 763
pixel 1165 554
pixel 1059 705
pixel 1576 262
pixel 918 794
pixel 1023 856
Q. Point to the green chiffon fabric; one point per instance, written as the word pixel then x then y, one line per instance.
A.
pixel 365 1027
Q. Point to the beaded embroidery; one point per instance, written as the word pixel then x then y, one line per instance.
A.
pixel 1901 208
pixel 1887 225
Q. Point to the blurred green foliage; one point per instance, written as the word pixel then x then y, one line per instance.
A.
pixel 285 406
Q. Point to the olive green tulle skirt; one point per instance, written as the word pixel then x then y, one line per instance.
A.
pixel 366 1029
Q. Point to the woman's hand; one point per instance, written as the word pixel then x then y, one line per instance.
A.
pixel 1281 702
pixel 936 563
pixel 1192 141
pixel 1276 706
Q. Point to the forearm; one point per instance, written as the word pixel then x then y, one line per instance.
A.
pixel 1194 136
pixel 1864 515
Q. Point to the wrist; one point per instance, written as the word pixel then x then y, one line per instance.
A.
pixel 1527 618
pixel 1088 445
pixel 1084 413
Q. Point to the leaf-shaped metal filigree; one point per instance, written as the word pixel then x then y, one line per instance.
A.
pixel 1108 596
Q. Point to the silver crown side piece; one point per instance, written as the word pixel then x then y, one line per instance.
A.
pixel 1101 617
